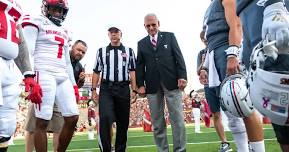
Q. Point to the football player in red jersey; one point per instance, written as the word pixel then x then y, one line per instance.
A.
pixel 47 42
pixel 12 46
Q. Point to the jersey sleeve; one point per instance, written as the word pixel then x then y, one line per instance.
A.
pixel 28 20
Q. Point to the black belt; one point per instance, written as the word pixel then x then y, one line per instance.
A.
pixel 111 83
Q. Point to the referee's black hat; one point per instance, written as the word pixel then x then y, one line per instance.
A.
pixel 113 29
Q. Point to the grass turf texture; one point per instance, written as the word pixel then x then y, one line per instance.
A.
pixel 139 141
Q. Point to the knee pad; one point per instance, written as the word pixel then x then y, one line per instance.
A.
pixel 236 124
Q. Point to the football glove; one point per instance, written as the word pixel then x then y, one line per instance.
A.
pixel 76 92
pixel 276 25
pixel 34 90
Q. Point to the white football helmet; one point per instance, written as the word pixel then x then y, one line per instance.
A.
pixel 235 96
pixel 269 89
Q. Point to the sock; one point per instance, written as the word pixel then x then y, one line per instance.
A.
pixel 241 142
pixel 258 146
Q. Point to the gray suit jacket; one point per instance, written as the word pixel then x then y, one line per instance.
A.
pixel 164 64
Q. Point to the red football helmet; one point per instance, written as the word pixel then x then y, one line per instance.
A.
pixel 49 7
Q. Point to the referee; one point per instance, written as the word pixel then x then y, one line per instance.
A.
pixel 117 65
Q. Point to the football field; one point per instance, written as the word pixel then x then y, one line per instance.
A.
pixel 139 141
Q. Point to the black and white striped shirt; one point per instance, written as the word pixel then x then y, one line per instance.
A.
pixel 115 63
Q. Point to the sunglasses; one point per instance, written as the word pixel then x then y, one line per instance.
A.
pixel 151 25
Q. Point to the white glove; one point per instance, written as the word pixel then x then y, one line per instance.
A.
pixel 276 25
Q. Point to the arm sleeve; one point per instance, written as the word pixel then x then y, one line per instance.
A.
pixel 30 34
pixel 181 66
pixel 140 67
pixel 22 61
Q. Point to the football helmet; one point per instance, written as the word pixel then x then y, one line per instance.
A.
pixel 235 96
pixel 56 5
pixel 269 89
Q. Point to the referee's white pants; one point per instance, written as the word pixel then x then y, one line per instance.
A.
pixel 197 116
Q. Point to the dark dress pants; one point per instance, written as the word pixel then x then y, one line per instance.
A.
pixel 114 106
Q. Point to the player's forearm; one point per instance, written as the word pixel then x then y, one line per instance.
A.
pixel 235 33
pixel 23 59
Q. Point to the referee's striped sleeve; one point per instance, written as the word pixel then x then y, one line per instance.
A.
pixel 97 64
pixel 132 60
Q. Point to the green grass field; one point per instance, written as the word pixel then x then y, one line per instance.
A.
pixel 138 141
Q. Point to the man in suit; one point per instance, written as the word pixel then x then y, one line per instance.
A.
pixel 161 72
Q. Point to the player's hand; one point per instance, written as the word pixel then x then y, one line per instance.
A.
pixel 182 83
pixel 76 92
pixel 276 25
pixel 142 91
pixel 233 66
pixel 95 97
pixel 203 78
pixel 34 91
